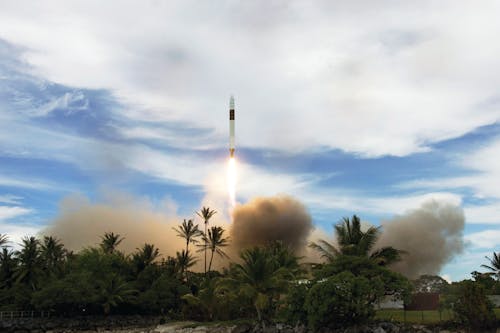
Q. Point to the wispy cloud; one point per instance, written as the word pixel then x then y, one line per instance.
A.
pixel 10 199
pixel 9 212
pixel 486 239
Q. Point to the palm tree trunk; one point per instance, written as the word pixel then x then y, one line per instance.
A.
pixel 259 318
pixel 205 250
pixel 211 258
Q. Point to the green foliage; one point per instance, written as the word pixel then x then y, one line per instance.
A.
pixel 109 242
pixel 343 299
pixel 29 268
pixel 206 214
pixel 261 278
pixel 430 284
pixel 468 301
pixel 70 295
pixel 8 264
pixel 293 311
pixel 490 285
pixel 164 296
pixel 214 241
pixel 352 241
pixel 393 283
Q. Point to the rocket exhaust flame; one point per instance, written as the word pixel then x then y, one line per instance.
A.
pixel 231 181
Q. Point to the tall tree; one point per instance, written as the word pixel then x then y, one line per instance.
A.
pixel 109 242
pixel 8 264
pixel 52 254
pixel 206 214
pixel 29 269
pixel 494 265
pixel 259 277
pixel 214 241
pixel 184 261
pixel 353 241
pixel 145 256
pixel 189 232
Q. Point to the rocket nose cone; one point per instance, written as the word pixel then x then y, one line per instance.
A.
pixel 231 102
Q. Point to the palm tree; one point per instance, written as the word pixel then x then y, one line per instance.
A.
pixel 4 239
pixel 494 265
pixel 189 232
pixel 284 257
pixel 109 242
pixel 8 264
pixel 29 268
pixel 258 276
pixel 52 253
pixel 113 290
pixel 214 241
pixel 206 214
pixel 184 261
pixel 145 256
pixel 355 242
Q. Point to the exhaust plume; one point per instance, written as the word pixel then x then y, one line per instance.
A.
pixel 263 220
pixel 431 235
pixel 81 223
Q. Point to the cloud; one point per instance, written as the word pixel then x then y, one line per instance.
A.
pixel 486 239
pixel 483 174
pixel 9 212
pixel 70 102
pixel 336 67
pixel 10 199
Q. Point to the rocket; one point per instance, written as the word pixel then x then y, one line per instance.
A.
pixel 231 126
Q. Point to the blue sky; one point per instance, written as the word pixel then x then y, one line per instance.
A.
pixel 351 107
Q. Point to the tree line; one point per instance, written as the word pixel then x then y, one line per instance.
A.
pixel 265 283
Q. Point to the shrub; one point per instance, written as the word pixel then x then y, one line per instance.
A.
pixel 470 305
pixel 341 300
pixel 293 311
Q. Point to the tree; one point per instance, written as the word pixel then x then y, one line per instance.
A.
pixel 343 299
pixel 164 295
pixel 206 214
pixel 29 269
pixel 109 242
pixel 258 277
pixel 4 239
pixel 214 241
pixel 52 254
pixel 189 232
pixel 353 241
pixel 293 311
pixel 494 265
pixel 113 290
pixel 8 264
pixel 145 256
pixel 470 304
pixel 185 260
pixel 430 284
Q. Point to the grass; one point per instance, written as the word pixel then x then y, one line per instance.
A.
pixel 418 317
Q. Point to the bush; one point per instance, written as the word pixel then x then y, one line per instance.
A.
pixel 293 311
pixel 470 305
pixel 342 300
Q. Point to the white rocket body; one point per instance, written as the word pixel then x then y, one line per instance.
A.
pixel 231 127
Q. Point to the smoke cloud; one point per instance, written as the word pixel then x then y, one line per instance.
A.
pixel 431 235
pixel 81 223
pixel 263 220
